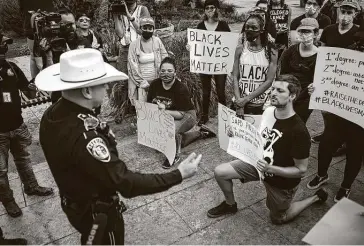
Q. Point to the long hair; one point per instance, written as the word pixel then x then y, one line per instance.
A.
pixel 215 17
pixel 266 43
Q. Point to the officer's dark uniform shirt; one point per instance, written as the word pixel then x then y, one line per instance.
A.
pixel 85 163
pixel 12 79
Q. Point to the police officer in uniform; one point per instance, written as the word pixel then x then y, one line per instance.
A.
pixel 81 151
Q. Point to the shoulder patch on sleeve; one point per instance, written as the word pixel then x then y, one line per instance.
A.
pixel 98 149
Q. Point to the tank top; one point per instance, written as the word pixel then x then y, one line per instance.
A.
pixel 130 32
pixel 146 65
pixel 253 72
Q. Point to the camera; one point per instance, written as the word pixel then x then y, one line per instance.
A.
pixel 116 7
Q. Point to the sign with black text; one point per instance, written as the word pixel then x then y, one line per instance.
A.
pixel 212 52
pixel 339 83
pixel 280 18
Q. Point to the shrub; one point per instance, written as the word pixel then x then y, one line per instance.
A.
pixel 10 16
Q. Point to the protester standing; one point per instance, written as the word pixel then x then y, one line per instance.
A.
pixel 285 159
pixel 255 66
pixel 211 22
pixel 172 96
pixel 300 61
pixel 312 10
pixel 14 134
pixel 145 56
pixel 81 151
pixel 337 129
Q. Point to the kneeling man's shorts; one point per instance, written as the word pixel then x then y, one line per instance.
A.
pixel 278 200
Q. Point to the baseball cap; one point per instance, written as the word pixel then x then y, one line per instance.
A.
pixel 351 3
pixel 308 24
pixel 147 21
pixel 216 3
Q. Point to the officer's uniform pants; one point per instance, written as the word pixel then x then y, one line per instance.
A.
pixel 339 131
pixel 16 141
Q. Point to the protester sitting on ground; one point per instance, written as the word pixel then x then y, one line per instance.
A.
pixel 312 10
pixel 282 39
pixel 300 61
pixel 255 67
pixel 145 56
pixel 288 143
pixel 171 95
pixel 332 10
pixel 211 22
pixel 359 40
pixel 14 134
pixel 127 27
pixel 261 7
pixel 340 35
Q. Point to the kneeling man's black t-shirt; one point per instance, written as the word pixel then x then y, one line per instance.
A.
pixel 285 140
pixel 176 98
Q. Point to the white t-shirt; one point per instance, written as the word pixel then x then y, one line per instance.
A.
pixel 253 67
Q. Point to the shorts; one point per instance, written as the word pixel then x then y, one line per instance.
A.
pixel 278 200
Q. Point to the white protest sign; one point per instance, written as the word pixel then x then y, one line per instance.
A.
pixel 339 83
pixel 212 52
pixel 156 129
pixel 223 123
pixel 247 143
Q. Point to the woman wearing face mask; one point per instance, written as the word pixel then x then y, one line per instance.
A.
pixel 282 32
pixel 255 67
pixel 172 96
pixel 144 59
pixel 211 22
pixel 300 61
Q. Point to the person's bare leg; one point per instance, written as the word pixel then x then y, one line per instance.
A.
pixel 224 174
pixel 297 207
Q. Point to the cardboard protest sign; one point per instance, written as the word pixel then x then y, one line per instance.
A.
pixel 156 129
pixel 339 83
pixel 247 143
pixel 212 52
pixel 223 122
pixel 342 225
pixel 280 18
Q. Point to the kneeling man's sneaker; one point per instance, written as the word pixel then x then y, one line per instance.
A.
pixel 322 195
pixel 341 194
pixel 317 182
pixel 167 165
pixel 222 209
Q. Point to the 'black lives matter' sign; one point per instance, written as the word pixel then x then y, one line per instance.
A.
pixel 339 83
pixel 211 52
pixel 280 18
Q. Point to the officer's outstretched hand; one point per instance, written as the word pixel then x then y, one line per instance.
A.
pixel 188 166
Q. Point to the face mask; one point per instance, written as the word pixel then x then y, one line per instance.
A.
pixel 252 35
pixel 147 35
pixel 310 10
pixel 346 19
pixel 167 77
pixel 306 38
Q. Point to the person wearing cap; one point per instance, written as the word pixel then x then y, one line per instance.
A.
pixel 312 10
pixel 14 134
pixel 145 56
pixel 81 151
pixel 211 22
pixel 300 61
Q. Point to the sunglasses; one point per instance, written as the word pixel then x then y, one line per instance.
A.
pixel 84 20
pixel 210 8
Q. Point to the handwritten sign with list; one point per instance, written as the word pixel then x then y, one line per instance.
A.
pixel 156 129
pixel 339 83
pixel 280 18
pixel 212 52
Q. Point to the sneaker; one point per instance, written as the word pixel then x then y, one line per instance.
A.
pixel 342 193
pixel 222 209
pixel 39 191
pixel 316 139
pixel 317 182
pixel 203 120
pixel 340 151
pixel 167 165
pixel 206 132
pixel 14 241
pixel 13 209
pixel 322 195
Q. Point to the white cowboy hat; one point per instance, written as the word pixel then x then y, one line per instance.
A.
pixel 78 69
